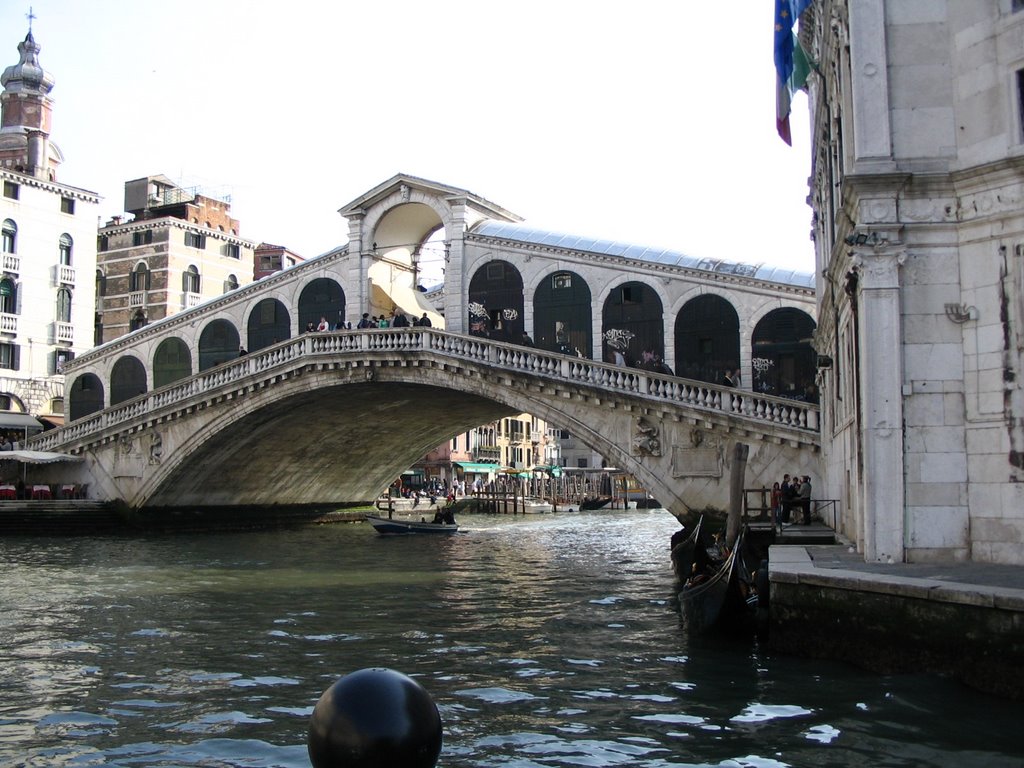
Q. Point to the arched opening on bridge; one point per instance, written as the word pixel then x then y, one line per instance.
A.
pixel 85 396
pixel 496 302
pixel 218 343
pixel 171 362
pixel 632 322
pixel 127 379
pixel 269 323
pixel 562 319
pixel 707 339
pixel 322 297
pixel 782 357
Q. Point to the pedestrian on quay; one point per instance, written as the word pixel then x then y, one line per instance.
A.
pixel 805 499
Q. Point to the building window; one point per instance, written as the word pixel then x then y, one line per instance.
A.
pixel 581 463
pixel 232 251
pixel 230 284
pixel 63 305
pixel 10 237
pixel 8 297
pixel 561 280
pixel 138 320
pixel 142 237
pixel 60 358
pixel 12 190
pixel 195 240
pixel 140 278
pixel 97 329
pixel 9 359
pixel 102 243
pixel 67 205
pixel 190 280
pixel 57 405
pixel 101 284
pixel 65 250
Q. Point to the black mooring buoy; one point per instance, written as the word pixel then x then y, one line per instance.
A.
pixel 375 718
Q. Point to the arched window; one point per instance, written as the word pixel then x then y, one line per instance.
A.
pixel 63 305
pixel 10 237
pixel 707 339
pixel 781 356
pixel 8 297
pixel 322 297
pixel 562 315
pixel 139 320
pixel 140 279
pixel 230 284
pixel 65 250
pixel 269 323
pixel 632 323
pixel 496 302
pixel 101 283
pixel 86 396
pixel 127 379
pixel 190 280
pixel 171 362
pixel 218 343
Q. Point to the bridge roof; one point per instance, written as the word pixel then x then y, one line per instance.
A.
pixel 526 234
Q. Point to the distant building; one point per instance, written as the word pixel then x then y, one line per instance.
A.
pixel 273 258
pixel 917 113
pixel 48 253
pixel 180 248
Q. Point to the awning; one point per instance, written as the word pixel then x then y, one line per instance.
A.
pixel 53 420
pixel 22 421
pixel 37 457
pixel 472 466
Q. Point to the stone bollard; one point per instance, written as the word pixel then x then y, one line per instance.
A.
pixel 375 718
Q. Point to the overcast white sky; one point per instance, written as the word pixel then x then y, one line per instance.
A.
pixel 650 122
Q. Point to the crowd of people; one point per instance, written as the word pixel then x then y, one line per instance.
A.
pixel 792 493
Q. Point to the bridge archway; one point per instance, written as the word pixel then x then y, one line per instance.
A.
pixel 782 358
pixel 707 338
pixel 85 396
pixel 496 302
pixel 218 343
pixel 321 297
pixel 269 323
pixel 171 361
pixel 633 313
pixel 127 379
pixel 562 320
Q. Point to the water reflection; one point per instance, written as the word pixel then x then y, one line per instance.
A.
pixel 545 641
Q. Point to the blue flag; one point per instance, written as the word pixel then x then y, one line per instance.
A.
pixel 786 14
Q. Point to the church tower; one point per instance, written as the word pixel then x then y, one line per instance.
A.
pixel 26 111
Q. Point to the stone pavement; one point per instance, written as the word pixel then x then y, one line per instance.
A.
pixel 840 556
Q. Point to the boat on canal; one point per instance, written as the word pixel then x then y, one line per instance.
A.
pixel 719 594
pixel 391 527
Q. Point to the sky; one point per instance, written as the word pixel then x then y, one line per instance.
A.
pixel 650 122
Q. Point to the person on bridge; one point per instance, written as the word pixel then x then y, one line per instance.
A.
pixel 323 325
pixel 424 322
pixel 399 320
pixel 364 321
pixel 383 322
pixel 805 499
pixel 527 341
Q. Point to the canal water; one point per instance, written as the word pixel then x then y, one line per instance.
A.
pixel 546 640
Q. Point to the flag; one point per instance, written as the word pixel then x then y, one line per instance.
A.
pixel 791 66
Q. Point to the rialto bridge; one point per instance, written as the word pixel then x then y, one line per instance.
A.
pixel 171 415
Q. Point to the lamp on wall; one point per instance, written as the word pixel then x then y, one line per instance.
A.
pixel 861 238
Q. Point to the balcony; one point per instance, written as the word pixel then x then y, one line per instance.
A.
pixel 136 299
pixel 8 323
pixel 12 263
pixel 63 333
pixel 189 300
pixel 63 274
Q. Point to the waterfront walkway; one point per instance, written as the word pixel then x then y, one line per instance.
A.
pixel 960 619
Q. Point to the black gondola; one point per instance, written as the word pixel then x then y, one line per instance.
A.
pixel 684 552
pixel 719 595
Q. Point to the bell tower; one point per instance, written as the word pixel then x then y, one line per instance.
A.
pixel 26 111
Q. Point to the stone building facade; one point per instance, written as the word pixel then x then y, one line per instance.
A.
pixel 918 152
pixel 179 248
pixel 48 253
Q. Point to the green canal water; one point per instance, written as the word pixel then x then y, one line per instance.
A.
pixel 547 640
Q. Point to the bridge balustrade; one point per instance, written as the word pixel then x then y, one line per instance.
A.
pixel 660 387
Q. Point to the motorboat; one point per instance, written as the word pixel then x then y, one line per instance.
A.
pixel 392 527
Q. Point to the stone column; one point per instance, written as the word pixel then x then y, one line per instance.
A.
pixel 359 266
pixel 869 68
pixel 455 285
pixel 881 401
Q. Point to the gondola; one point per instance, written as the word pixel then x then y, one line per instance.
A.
pixel 684 552
pixel 718 595
pixel 387 527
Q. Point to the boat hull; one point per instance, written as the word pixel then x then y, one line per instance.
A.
pixel 388 527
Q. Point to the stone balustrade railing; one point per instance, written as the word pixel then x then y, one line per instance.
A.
pixel 284 356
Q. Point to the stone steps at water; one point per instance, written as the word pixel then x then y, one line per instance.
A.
pixel 59 517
